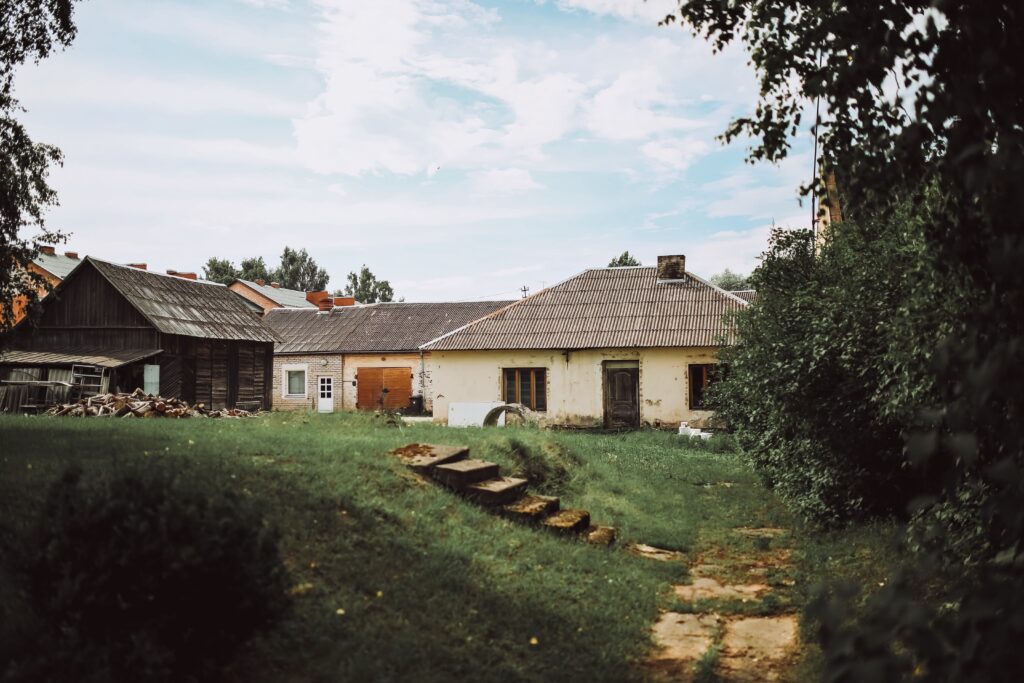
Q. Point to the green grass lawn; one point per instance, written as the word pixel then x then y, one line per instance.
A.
pixel 409 582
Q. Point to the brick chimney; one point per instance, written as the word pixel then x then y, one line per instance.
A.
pixel 71 254
pixel 260 282
pixel 671 267
pixel 316 297
pixel 48 250
pixel 275 285
pixel 140 266
pixel 344 301
pixel 178 273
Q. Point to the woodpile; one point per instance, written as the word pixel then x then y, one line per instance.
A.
pixel 139 404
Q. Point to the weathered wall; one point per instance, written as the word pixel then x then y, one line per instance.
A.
pixel 344 370
pixel 574 381
pixel 315 366
pixel 384 360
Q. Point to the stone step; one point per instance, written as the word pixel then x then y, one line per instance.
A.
pixel 568 521
pixel 424 457
pixel 497 491
pixel 601 535
pixel 460 474
pixel 532 508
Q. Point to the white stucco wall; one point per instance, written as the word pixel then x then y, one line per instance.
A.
pixel 574 381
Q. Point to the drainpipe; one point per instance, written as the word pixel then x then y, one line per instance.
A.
pixel 341 382
pixel 423 382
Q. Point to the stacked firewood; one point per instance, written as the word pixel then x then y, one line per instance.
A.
pixel 139 404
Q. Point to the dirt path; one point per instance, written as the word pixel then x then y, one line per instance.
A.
pixel 735 621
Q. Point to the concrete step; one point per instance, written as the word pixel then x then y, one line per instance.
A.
pixel 497 491
pixel 600 535
pixel 568 521
pixel 424 457
pixel 460 474
pixel 531 508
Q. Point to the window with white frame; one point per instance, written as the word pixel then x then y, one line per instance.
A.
pixel 294 381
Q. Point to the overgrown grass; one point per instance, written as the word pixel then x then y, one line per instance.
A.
pixel 406 581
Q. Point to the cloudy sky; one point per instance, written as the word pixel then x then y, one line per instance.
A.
pixel 461 149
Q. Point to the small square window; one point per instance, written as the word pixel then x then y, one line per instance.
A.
pixel 526 386
pixel 296 382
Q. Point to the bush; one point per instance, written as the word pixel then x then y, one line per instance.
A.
pixel 150 577
pixel 832 362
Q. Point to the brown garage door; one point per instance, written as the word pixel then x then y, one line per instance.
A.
pixel 371 383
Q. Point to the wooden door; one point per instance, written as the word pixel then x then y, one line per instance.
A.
pixel 621 395
pixel 393 384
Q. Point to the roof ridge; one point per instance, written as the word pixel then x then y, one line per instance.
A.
pixel 152 272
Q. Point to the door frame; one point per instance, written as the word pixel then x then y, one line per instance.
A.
pixel 319 390
pixel 606 367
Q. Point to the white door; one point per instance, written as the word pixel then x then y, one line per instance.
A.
pixel 325 395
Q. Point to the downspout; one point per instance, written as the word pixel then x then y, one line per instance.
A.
pixel 423 383
pixel 341 383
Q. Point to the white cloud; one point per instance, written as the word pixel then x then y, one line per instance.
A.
pixel 504 181
pixel 636 10
pixel 675 154
pixel 634 107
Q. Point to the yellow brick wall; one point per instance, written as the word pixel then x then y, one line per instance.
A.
pixel 316 366
pixel 344 370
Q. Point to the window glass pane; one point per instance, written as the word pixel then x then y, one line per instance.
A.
pixel 542 390
pixel 524 388
pixel 296 381
pixel 510 386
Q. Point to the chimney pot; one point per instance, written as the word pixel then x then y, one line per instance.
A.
pixel 71 254
pixel 140 266
pixel 48 250
pixel 672 267
pixel 316 297
pixel 275 285
pixel 260 282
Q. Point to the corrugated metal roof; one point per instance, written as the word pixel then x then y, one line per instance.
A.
pixel 390 327
pixel 605 308
pixel 747 295
pixel 192 308
pixel 289 298
pixel 86 355
pixel 57 264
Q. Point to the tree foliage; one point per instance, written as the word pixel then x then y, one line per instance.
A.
pixel 31 30
pixel 730 281
pixel 254 269
pixel 920 96
pixel 367 289
pixel 299 271
pixel 220 270
pixel 624 259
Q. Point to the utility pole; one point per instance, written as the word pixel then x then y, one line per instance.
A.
pixel 525 290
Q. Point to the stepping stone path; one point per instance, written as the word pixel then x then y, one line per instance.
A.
pixel 740 648
pixel 481 482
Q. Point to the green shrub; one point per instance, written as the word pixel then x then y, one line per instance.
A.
pixel 151 576
pixel 833 361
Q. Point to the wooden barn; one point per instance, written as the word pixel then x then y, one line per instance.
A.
pixel 109 327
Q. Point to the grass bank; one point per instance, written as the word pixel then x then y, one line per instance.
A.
pixel 402 580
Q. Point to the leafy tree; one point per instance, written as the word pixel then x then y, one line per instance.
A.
pixel 730 281
pixel 918 96
pixel 220 270
pixel 367 289
pixel 623 259
pixel 299 271
pixel 255 269
pixel 31 30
